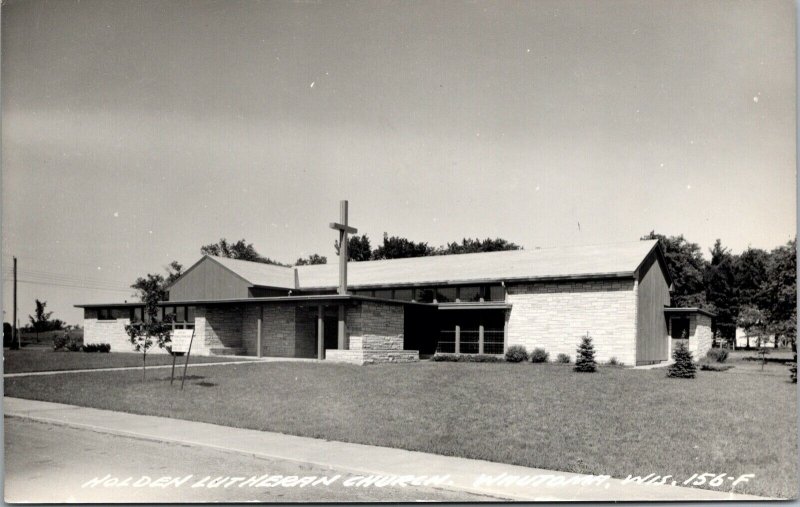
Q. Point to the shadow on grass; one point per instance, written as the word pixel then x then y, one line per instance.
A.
pixel 778 360
pixel 178 377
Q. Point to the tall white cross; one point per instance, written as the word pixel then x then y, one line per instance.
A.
pixel 344 230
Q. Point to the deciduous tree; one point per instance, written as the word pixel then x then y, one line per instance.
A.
pixel 40 320
pixel 686 266
pixel 395 247
pixel 239 250
pixel 752 320
pixel 779 292
pixel 151 331
pixel 311 259
pixel 469 245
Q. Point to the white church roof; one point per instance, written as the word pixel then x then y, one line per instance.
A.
pixel 594 261
pixel 619 259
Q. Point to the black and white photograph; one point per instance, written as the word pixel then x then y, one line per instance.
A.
pixel 362 251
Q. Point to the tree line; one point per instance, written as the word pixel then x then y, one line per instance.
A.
pixel 755 290
pixel 359 249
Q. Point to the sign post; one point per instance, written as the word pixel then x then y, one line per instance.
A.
pixel 181 342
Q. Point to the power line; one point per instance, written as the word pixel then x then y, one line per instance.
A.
pixel 79 283
pixel 52 284
pixel 70 278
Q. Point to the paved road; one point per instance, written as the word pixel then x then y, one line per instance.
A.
pixel 48 463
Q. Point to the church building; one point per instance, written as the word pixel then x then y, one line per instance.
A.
pixel 399 310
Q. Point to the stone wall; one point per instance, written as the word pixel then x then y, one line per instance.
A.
pixel 376 336
pixel 700 336
pixel 555 315
pixel 217 327
pixel 377 342
pixel 372 356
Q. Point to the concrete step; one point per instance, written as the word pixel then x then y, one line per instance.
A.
pixel 228 351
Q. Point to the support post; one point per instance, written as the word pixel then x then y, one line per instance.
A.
pixel 320 333
pixel 172 375
pixel 342 329
pixel 480 338
pixel 186 364
pixel 505 331
pixel 15 332
pixel 458 339
pixel 258 332
pixel 343 249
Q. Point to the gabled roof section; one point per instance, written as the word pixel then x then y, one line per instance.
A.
pixel 258 273
pixel 658 251
pixel 254 273
pixel 573 262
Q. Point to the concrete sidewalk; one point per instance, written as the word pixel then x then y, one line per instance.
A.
pixel 178 366
pixel 356 458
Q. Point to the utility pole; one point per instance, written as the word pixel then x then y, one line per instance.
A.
pixel 15 334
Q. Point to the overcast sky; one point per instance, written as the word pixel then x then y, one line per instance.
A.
pixel 135 132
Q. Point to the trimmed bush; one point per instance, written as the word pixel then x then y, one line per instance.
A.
pixel 715 367
pixel 717 355
pixel 683 367
pixel 563 358
pixel 97 347
pixel 516 354
pixel 584 360
pixel 72 345
pixel 60 341
pixel 615 362
pixel 539 355
pixel 466 358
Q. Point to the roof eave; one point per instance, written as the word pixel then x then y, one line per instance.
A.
pixel 512 279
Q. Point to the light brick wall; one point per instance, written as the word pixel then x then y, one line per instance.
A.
pixel 111 332
pixel 555 316
pixel 700 336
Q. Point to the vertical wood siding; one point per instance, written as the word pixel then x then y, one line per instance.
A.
pixel 652 332
pixel 209 280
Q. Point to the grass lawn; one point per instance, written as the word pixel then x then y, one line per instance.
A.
pixel 617 421
pixel 45 359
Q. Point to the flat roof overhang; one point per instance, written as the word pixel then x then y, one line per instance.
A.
pixel 319 299
pixel 315 299
pixel 670 310
pixel 475 305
